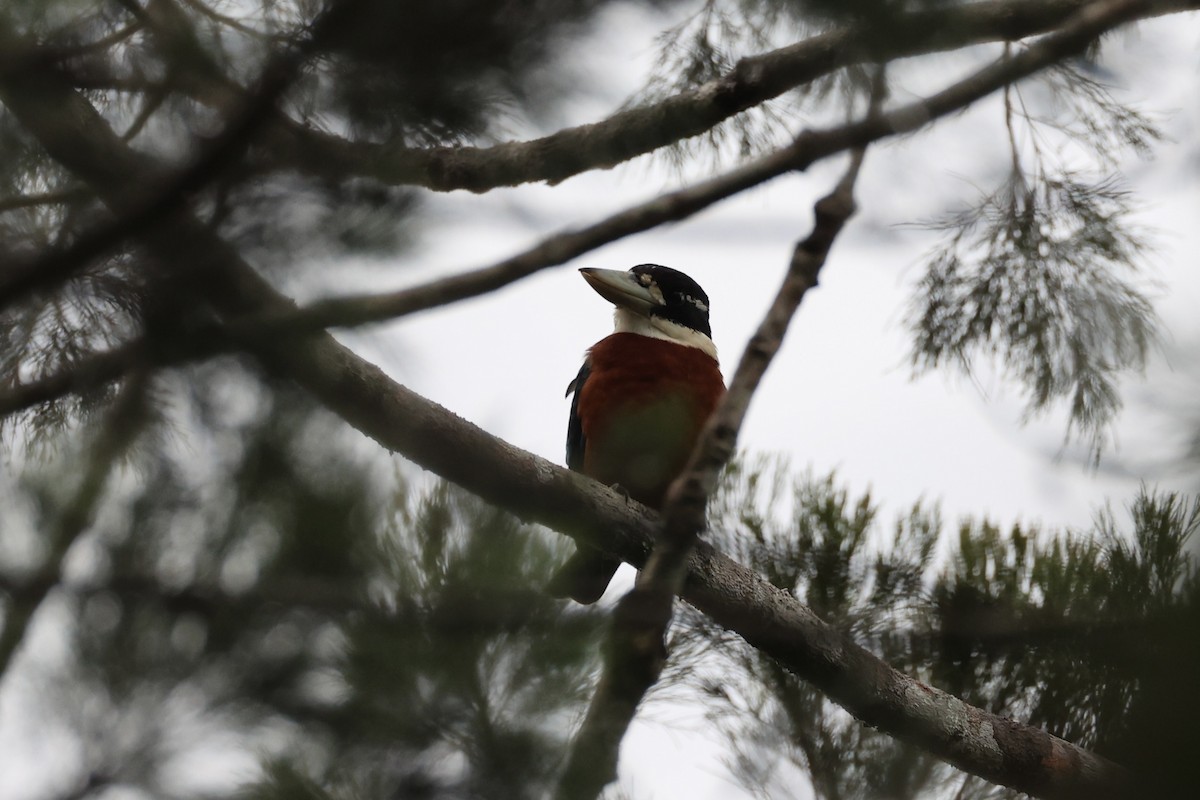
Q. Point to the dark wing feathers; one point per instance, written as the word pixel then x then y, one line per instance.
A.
pixel 575 440
pixel 588 572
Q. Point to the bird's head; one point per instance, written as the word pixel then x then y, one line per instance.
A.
pixel 656 301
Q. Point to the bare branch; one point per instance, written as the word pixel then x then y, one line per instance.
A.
pixel 634 132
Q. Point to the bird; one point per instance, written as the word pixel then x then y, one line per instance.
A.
pixel 639 401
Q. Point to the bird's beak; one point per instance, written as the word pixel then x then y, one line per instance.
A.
pixel 621 289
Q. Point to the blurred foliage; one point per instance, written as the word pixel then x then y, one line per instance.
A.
pixel 1079 633
pixel 370 637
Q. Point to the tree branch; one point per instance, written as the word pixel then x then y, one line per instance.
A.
pixel 536 490
pixel 810 146
pixel 635 132
pixel 638 131
pixel 508 612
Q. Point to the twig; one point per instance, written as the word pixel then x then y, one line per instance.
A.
pixel 233 22
pixel 18 202
pixel 82 377
pixel 505 612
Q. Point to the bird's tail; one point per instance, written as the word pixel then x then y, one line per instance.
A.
pixel 584 576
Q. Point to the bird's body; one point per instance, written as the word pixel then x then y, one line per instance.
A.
pixel 641 408
pixel 640 400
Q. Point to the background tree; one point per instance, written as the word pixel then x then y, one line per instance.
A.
pixel 221 560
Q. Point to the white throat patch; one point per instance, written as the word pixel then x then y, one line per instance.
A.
pixel 626 321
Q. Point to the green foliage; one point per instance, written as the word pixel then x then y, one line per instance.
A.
pixel 1032 276
pixel 1058 630
pixel 708 44
pixel 1038 274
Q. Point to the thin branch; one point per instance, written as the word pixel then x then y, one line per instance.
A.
pixel 82 377
pixel 505 612
pixel 94 78
pixel 635 132
pixel 41 199
pixel 63 52
pixel 116 434
pixel 1013 146
pixel 153 101
pixel 635 650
